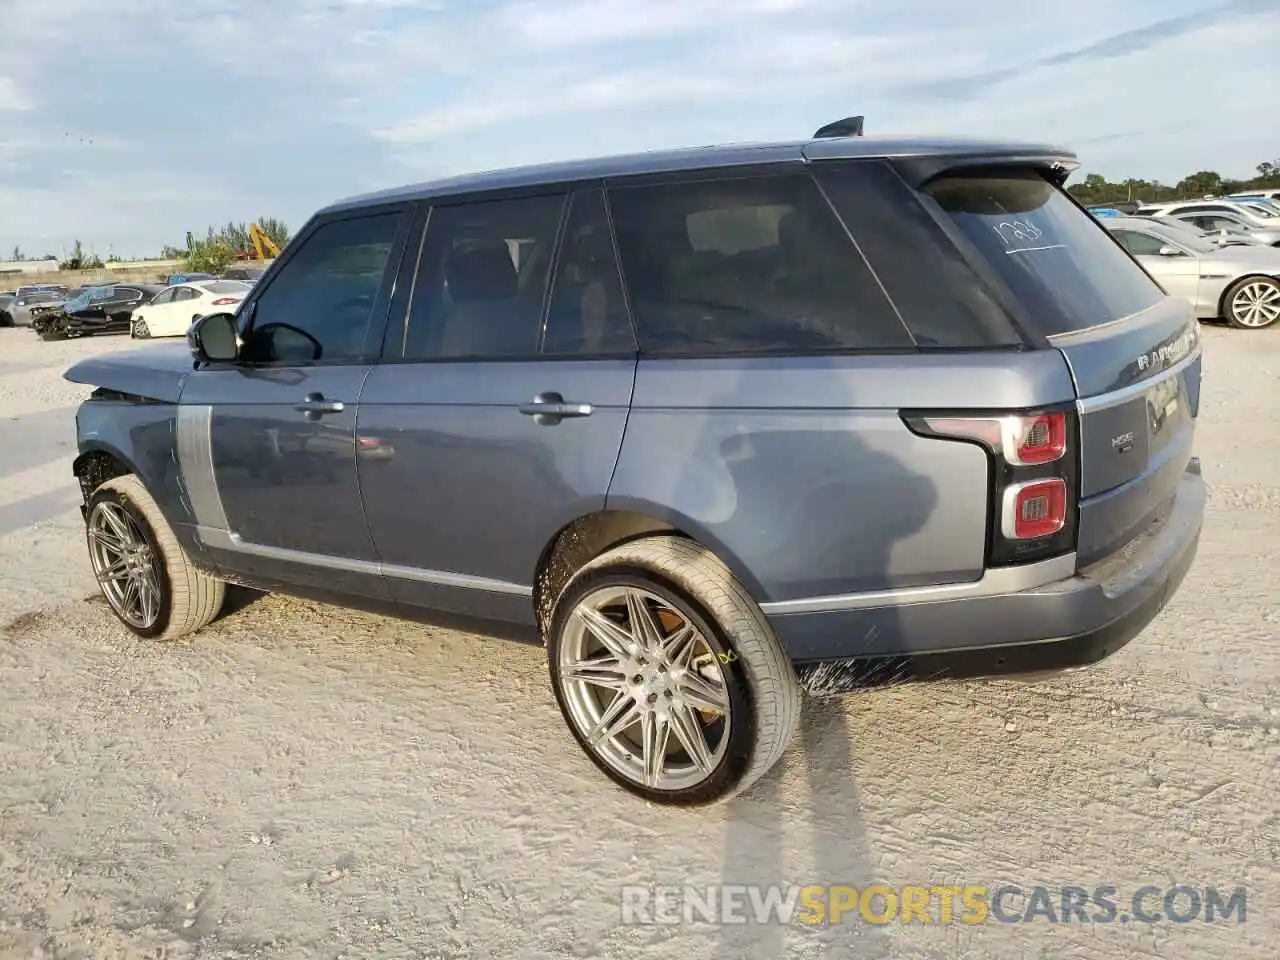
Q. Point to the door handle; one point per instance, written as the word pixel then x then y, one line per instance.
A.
pixel 548 409
pixel 315 406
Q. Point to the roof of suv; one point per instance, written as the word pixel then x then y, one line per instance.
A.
pixel 694 158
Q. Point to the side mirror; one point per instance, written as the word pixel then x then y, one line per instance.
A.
pixel 1170 251
pixel 213 338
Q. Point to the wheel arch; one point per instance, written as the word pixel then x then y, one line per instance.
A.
pixel 589 535
pixel 99 462
pixel 1222 298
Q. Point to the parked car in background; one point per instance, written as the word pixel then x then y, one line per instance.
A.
pixel 171 312
pixel 29 304
pixel 32 288
pixel 1224 237
pixel 107 308
pixel 1240 284
pixel 717 425
pixel 247 274
pixel 1268 194
pixel 175 278
pixel 1217 215
pixel 6 318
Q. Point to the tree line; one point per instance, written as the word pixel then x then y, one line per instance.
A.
pixel 212 253
pixel 1095 188
pixel 220 246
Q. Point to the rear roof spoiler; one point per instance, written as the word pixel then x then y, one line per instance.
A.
pixel 848 127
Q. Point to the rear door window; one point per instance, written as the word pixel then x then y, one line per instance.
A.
pixel 1059 262
pixel 746 265
pixel 481 280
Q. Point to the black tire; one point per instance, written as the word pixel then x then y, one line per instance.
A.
pixel 763 693
pixel 138 329
pixel 1237 316
pixel 5 320
pixel 189 598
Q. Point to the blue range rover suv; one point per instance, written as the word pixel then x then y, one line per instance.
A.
pixel 717 426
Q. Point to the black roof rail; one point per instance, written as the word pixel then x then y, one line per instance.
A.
pixel 848 127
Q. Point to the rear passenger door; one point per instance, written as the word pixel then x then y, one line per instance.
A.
pixel 498 411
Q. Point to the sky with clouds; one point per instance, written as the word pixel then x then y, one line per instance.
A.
pixel 125 123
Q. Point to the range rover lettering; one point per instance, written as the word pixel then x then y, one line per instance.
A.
pixel 716 426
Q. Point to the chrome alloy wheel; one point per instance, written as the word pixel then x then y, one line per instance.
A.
pixel 124 563
pixel 645 688
pixel 1256 304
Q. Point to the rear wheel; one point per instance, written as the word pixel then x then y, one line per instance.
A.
pixel 1252 303
pixel 668 674
pixel 145 576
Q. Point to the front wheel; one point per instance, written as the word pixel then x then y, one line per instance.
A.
pixel 1253 303
pixel 145 576
pixel 139 329
pixel 668 674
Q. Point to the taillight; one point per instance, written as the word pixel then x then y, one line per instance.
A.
pixel 1034 509
pixel 225 301
pixel 1023 441
pixel 1033 473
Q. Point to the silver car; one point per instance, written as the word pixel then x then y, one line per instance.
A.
pixel 1218 215
pixel 28 305
pixel 1240 284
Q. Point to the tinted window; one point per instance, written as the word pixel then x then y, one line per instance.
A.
pixel 128 293
pixel 939 295
pixel 1139 244
pixel 747 265
pixel 318 306
pixel 163 297
pixel 42 296
pixel 588 313
pixel 185 293
pixel 482 279
pixel 1055 258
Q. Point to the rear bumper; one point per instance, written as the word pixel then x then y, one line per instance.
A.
pixel 1068 623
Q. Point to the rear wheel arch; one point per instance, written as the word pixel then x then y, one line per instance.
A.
pixel 589 536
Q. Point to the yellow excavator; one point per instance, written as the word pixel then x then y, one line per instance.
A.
pixel 264 247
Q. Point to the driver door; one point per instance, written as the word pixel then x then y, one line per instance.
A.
pixel 281 420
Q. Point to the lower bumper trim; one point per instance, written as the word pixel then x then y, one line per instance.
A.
pixel 823 678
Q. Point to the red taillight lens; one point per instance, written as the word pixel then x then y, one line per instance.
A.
pixel 225 301
pixel 1041 439
pixel 1023 441
pixel 1037 508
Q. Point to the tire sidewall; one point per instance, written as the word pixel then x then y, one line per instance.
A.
pixel 107 493
pixel 738 754
pixel 1234 289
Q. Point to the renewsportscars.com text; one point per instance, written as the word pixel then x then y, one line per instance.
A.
pixel 826 904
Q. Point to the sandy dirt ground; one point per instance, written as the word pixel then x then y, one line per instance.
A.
pixel 304 781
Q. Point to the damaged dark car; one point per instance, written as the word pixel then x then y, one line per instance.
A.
pixel 106 308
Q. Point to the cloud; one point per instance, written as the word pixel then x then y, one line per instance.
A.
pixel 12 99
pixel 233 109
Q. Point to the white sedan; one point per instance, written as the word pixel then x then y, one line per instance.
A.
pixel 173 310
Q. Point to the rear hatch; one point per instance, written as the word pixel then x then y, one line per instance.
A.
pixel 1133 352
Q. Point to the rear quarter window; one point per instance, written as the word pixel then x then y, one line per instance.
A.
pixel 747 265
pixel 1058 261
pixel 939 295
